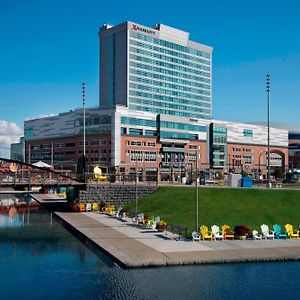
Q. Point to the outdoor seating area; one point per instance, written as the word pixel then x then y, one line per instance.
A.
pixel 242 232
pixel 213 233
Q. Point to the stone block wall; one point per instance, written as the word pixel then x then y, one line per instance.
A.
pixel 115 194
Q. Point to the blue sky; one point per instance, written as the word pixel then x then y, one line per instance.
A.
pixel 47 48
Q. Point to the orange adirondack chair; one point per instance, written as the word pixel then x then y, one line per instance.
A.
pixel 227 233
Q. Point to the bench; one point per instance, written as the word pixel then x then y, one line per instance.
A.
pixel 179 229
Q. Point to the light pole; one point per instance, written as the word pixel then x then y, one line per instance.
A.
pixel 196 196
pixel 136 191
pixel 259 165
pixel 268 87
pixel 83 105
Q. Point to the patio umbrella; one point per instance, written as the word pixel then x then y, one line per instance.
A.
pixel 41 164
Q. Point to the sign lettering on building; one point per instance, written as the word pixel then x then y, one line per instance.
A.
pixel 135 27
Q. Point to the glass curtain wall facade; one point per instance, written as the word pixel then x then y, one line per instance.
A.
pixel 167 78
pixel 157 70
pixel 218 146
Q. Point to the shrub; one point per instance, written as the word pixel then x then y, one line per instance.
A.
pixel 241 230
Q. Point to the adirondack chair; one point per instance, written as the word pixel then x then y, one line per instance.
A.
pixel 205 234
pixel 227 233
pixel 195 236
pixel 279 233
pixel 218 235
pixel 256 235
pixel 291 232
pixel 156 220
pixel 267 234
pixel 95 206
pixel 88 207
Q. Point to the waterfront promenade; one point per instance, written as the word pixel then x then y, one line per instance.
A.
pixel 132 246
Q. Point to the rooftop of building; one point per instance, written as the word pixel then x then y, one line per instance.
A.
pixel 161 31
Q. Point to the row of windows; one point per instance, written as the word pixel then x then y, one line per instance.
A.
pixel 168 65
pixel 168 72
pixel 140 143
pixel 137 155
pixel 138 131
pixel 242 149
pixel 170 52
pixel 94 121
pixel 66 145
pixel 170 99
pixel 98 130
pixel 137 121
pixel 167 92
pixel 168 105
pixel 168 59
pixel 182 126
pixel 168 112
pixel 219 130
pixel 168 78
pixel 249 157
pixel 166 85
pixel 178 135
pixel 169 44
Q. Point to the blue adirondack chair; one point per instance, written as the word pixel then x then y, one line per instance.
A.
pixel 279 233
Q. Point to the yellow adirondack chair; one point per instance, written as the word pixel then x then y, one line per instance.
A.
pixel 95 206
pixel 227 233
pixel 205 234
pixel 291 232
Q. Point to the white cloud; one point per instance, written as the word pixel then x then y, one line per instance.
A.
pixel 9 133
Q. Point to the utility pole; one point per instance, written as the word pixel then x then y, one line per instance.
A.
pixel 268 88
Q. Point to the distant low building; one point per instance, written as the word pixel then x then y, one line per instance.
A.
pixel 17 150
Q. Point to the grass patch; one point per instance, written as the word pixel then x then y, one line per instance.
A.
pixel 251 207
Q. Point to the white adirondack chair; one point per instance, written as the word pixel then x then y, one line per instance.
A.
pixel 156 220
pixel 256 235
pixel 218 235
pixel 88 207
pixel 266 232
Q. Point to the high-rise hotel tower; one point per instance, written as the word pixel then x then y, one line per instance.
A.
pixel 156 70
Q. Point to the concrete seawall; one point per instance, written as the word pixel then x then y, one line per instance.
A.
pixel 131 246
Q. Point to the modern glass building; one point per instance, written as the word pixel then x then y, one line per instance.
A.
pixel 158 70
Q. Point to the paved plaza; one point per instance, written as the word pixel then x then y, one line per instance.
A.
pixel 134 246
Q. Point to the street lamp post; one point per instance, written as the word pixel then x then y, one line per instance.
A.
pixel 196 196
pixel 83 105
pixel 136 190
pixel 268 87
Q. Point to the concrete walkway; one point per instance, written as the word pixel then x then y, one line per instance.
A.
pixel 133 246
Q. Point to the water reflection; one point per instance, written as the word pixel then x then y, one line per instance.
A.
pixel 15 211
pixel 42 260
